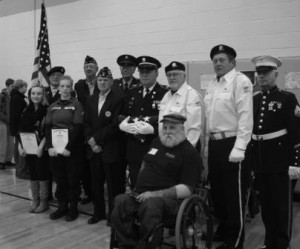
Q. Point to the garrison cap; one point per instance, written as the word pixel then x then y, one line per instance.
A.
pixel 148 62
pixel 105 73
pixel 175 65
pixel 89 59
pixel 56 70
pixel 266 63
pixel 126 60
pixel 173 118
pixel 222 49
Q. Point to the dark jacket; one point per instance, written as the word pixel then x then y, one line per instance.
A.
pixel 17 106
pixel 118 85
pixel 104 127
pixel 83 92
pixel 4 106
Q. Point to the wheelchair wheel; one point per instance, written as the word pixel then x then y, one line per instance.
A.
pixel 194 229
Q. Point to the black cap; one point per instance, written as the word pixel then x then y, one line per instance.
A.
pixel 174 118
pixel 89 59
pixel 175 65
pixel 105 73
pixel 222 49
pixel 126 60
pixel 56 70
pixel 148 62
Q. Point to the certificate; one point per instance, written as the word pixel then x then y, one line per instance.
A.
pixel 29 143
pixel 60 138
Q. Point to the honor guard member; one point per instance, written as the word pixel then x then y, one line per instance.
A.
pixel 85 88
pixel 140 114
pixel 102 137
pixel 65 165
pixel 229 115
pixel 275 134
pixel 182 99
pixel 54 75
pixel 127 65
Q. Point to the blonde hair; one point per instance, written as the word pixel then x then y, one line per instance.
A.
pixel 44 99
pixel 67 77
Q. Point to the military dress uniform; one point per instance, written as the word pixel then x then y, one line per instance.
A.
pixel 141 105
pixel 229 118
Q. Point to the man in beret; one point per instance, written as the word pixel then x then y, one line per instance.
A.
pixel 229 115
pixel 127 65
pixel 140 114
pixel 274 147
pixel 182 99
pixel 54 75
pixel 170 171
pixel 84 89
pixel 102 137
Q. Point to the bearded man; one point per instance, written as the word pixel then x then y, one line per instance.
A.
pixel 169 173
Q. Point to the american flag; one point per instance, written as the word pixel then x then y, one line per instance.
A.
pixel 42 62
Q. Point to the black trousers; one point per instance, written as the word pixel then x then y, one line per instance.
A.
pixel 38 167
pixel 276 208
pixel 229 187
pixel 134 169
pixel 86 177
pixel 66 172
pixel 102 172
pixel 149 213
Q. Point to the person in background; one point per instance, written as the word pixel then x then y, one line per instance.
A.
pixel 66 160
pixel 140 114
pixel 102 136
pixel 17 105
pixel 276 136
pixel 170 171
pixel 182 99
pixel 33 121
pixel 84 89
pixel 229 114
pixel 7 141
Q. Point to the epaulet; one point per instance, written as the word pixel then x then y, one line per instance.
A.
pixel 256 93
pixel 165 87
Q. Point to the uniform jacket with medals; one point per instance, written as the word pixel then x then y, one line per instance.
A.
pixel 274 111
pixel 119 87
pixel 104 126
pixel 143 108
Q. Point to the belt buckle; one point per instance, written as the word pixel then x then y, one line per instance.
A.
pixel 259 138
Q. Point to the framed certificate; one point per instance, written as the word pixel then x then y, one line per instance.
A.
pixel 29 143
pixel 60 138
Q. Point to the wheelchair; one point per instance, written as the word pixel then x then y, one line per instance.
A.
pixel 193 225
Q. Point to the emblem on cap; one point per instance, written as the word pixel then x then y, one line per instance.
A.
pixel 174 64
pixel 221 47
pixel 143 59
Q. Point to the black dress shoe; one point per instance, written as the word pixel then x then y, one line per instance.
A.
pixel 9 164
pixel 2 166
pixel 72 215
pixel 95 220
pixel 60 212
pixel 86 200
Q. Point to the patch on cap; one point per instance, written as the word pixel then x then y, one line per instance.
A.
pixel 219 49
pixel 175 65
pixel 105 73
pixel 89 59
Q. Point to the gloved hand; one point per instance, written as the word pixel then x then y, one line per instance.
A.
pixel 144 128
pixel 236 155
pixel 126 127
pixel 294 172
pixel 96 149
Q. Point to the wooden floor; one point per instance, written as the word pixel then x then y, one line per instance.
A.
pixel 22 230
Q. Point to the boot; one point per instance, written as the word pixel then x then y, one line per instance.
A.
pixel 44 205
pixel 35 189
pixel 73 212
pixel 60 212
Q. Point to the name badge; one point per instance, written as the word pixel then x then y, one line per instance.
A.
pixel 152 151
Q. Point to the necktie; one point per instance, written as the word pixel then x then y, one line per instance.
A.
pixel 147 92
pixel 125 87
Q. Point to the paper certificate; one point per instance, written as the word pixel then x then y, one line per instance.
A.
pixel 29 143
pixel 60 138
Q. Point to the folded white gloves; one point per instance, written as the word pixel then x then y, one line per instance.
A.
pixel 236 155
pixel 294 172
pixel 144 128
pixel 128 127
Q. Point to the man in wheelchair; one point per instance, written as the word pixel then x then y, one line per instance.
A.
pixel 169 173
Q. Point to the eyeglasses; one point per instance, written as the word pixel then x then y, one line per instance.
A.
pixel 170 75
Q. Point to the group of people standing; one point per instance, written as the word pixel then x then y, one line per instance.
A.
pixel 112 123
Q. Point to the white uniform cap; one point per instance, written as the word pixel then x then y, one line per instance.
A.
pixel 266 61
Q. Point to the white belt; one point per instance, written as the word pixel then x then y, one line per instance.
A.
pixel 222 135
pixel 270 135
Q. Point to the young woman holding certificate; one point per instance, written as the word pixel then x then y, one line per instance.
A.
pixel 65 143
pixel 31 146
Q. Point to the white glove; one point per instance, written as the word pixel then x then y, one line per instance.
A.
pixel 236 155
pixel 294 172
pixel 126 127
pixel 144 128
